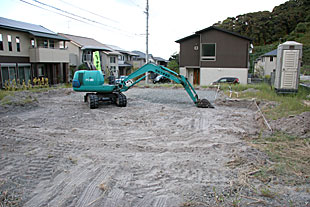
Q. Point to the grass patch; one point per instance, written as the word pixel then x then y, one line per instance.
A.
pixel 286 105
pixel 290 158
pixel 4 93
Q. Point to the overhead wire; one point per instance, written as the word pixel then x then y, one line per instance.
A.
pixel 78 17
pixel 137 5
pixel 88 11
pixel 53 11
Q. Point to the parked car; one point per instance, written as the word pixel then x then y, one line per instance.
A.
pixel 230 80
pixel 161 79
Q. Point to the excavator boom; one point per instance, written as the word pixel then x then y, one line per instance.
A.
pixel 166 72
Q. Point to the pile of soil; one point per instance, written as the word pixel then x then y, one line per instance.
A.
pixel 298 125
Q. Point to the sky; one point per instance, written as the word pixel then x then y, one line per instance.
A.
pixel 123 22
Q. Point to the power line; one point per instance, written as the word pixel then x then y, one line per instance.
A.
pixel 125 34
pixel 90 20
pixel 52 11
pixel 88 11
pixel 137 5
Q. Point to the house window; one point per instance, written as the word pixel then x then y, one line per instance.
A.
pixel 52 44
pixel 112 60
pixel 1 42
pixel 17 44
pixel 24 74
pixel 208 52
pixel 32 43
pixel 62 44
pixel 10 42
pixel 40 71
pixel 271 59
pixel 45 44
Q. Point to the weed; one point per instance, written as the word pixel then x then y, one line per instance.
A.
pixel 236 202
pixel 290 158
pixel 266 192
pixel 290 104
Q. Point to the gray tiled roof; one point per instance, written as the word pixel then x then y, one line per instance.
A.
pixel 33 29
pixel 160 59
pixel 271 53
pixel 23 26
pixel 86 43
pixel 141 54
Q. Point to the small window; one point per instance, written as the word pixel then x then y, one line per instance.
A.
pixel 112 59
pixel 45 44
pixel 62 44
pixel 10 42
pixel 17 44
pixel 32 43
pixel 1 42
pixel 52 44
pixel 271 59
pixel 40 71
pixel 208 52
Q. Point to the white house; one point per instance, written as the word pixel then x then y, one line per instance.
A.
pixel 266 63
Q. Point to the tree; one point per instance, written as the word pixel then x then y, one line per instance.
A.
pixel 174 62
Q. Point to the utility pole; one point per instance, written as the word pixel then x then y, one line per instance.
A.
pixel 147 39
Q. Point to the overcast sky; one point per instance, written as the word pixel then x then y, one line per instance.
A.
pixel 123 22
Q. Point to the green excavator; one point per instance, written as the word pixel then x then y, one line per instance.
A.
pixel 92 82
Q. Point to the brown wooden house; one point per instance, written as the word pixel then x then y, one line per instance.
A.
pixel 213 53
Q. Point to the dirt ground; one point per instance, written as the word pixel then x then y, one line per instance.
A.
pixel 159 151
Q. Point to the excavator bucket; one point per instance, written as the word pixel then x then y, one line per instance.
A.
pixel 204 103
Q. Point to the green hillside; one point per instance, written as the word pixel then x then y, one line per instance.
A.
pixel 288 21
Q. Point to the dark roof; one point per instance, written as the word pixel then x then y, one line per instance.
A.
pixel 160 59
pixel 271 53
pixel 223 30
pixel 33 29
pixel 51 36
pixel 186 38
pixel 121 50
pixel 211 28
pixel 141 54
pixel 86 43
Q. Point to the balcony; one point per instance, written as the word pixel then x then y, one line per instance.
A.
pixel 48 55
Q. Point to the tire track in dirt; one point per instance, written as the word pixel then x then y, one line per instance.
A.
pixel 31 163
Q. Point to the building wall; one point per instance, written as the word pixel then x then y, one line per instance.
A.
pixel 231 51
pixel 47 55
pixel 74 54
pixel 31 62
pixel 24 40
pixel 190 52
pixel 270 65
pixel 209 75
pixel 266 65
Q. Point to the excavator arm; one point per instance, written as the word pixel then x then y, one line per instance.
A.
pixel 166 72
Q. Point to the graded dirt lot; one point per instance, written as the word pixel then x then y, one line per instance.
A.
pixel 159 151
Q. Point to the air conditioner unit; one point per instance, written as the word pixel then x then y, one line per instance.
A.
pixel 288 67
